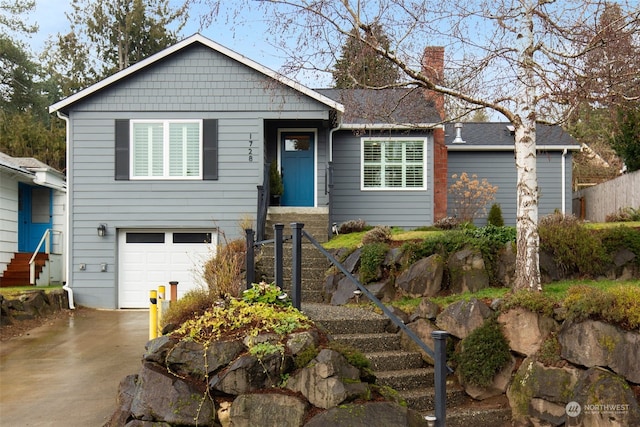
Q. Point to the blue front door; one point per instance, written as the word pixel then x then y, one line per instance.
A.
pixel 35 208
pixel 297 166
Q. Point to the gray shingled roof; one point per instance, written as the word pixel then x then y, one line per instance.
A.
pixel 384 106
pixel 497 134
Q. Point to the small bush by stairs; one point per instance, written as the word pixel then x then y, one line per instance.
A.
pixel 401 370
pixel 314 264
pixel 17 272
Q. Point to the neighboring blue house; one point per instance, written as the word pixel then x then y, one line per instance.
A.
pixel 166 156
pixel 32 214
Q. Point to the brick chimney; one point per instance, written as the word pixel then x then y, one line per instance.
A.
pixel 433 68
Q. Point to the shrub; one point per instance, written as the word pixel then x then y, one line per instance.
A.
pixel 470 195
pixel 624 215
pixel 447 223
pixel 222 273
pixel 352 226
pixel 485 352
pixel 536 302
pixel 267 293
pixel 371 258
pixel 378 234
pixel 616 238
pixel 193 303
pixel 495 216
pixel 619 305
pixel 549 353
pixel 574 248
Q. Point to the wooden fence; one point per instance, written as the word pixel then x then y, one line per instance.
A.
pixel 595 203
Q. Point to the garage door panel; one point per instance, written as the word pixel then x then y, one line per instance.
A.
pixel 144 266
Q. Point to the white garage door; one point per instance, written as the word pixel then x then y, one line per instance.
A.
pixel 149 258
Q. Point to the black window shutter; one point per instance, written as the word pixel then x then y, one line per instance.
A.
pixel 122 149
pixel 210 149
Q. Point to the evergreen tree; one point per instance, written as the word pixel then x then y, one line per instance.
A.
pixel 108 36
pixel 359 66
pixel 626 141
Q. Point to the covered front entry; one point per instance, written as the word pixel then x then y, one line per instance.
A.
pixel 35 213
pixel 149 258
pixel 298 166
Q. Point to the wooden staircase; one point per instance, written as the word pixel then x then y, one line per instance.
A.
pixel 17 272
pixel 314 264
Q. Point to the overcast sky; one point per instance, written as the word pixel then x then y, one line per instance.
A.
pixel 51 20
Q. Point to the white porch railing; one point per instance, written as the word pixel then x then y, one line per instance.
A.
pixel 52 241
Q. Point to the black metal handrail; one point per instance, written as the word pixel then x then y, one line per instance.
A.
pixel 439 356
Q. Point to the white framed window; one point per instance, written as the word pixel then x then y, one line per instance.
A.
pixel 166 149
pixel 393 164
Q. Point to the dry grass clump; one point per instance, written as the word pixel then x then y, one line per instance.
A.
pixel 222 273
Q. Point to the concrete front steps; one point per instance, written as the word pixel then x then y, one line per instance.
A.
pixel 401 370
pixel 314 264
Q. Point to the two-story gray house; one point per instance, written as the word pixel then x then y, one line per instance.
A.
pixel 167 156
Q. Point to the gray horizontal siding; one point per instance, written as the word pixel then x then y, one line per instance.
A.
pixel 407 209
pixel 499 169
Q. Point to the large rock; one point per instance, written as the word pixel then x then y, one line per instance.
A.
pixel 497 387
pixel 267 409
pixel 163 397
pixel 189 358
pixel 605 400
pixel 383 290
pixel 248 373
pixel 462 317
pixel 538 391
pixel 423 329
pixel 372 414
pixel 126 392
pixel 343 292
pixel 423 278
pixel 594 343
pixel 300 341
pixel 506 265
pixel 519 319
pixel 328 381
pixel 467 271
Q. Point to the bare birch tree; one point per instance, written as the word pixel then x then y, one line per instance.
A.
pixel 524 56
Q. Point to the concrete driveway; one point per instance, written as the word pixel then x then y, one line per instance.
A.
pixel 67 373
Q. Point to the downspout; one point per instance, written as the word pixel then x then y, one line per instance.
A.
pixel 563 183
pixel 67 237
pixel 330 187
pixel 331 132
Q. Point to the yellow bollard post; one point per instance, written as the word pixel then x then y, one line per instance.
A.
pixel 161 307
pixel 153 314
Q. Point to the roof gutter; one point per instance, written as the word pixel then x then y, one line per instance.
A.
pixel 67 237
pixel 461 147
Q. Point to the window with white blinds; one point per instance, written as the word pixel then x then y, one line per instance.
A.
pixel 166 149
pixel 393 164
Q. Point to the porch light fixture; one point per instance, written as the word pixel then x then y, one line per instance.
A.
pixel 102 230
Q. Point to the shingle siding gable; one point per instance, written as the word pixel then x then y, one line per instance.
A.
pixel 198 79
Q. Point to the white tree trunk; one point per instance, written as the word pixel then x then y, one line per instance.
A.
pixel 527 237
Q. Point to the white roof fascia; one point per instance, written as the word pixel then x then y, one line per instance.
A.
pixel 463 147
pixel 389 126
pixel 16 169
pixel 181 45
pixel 50 178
